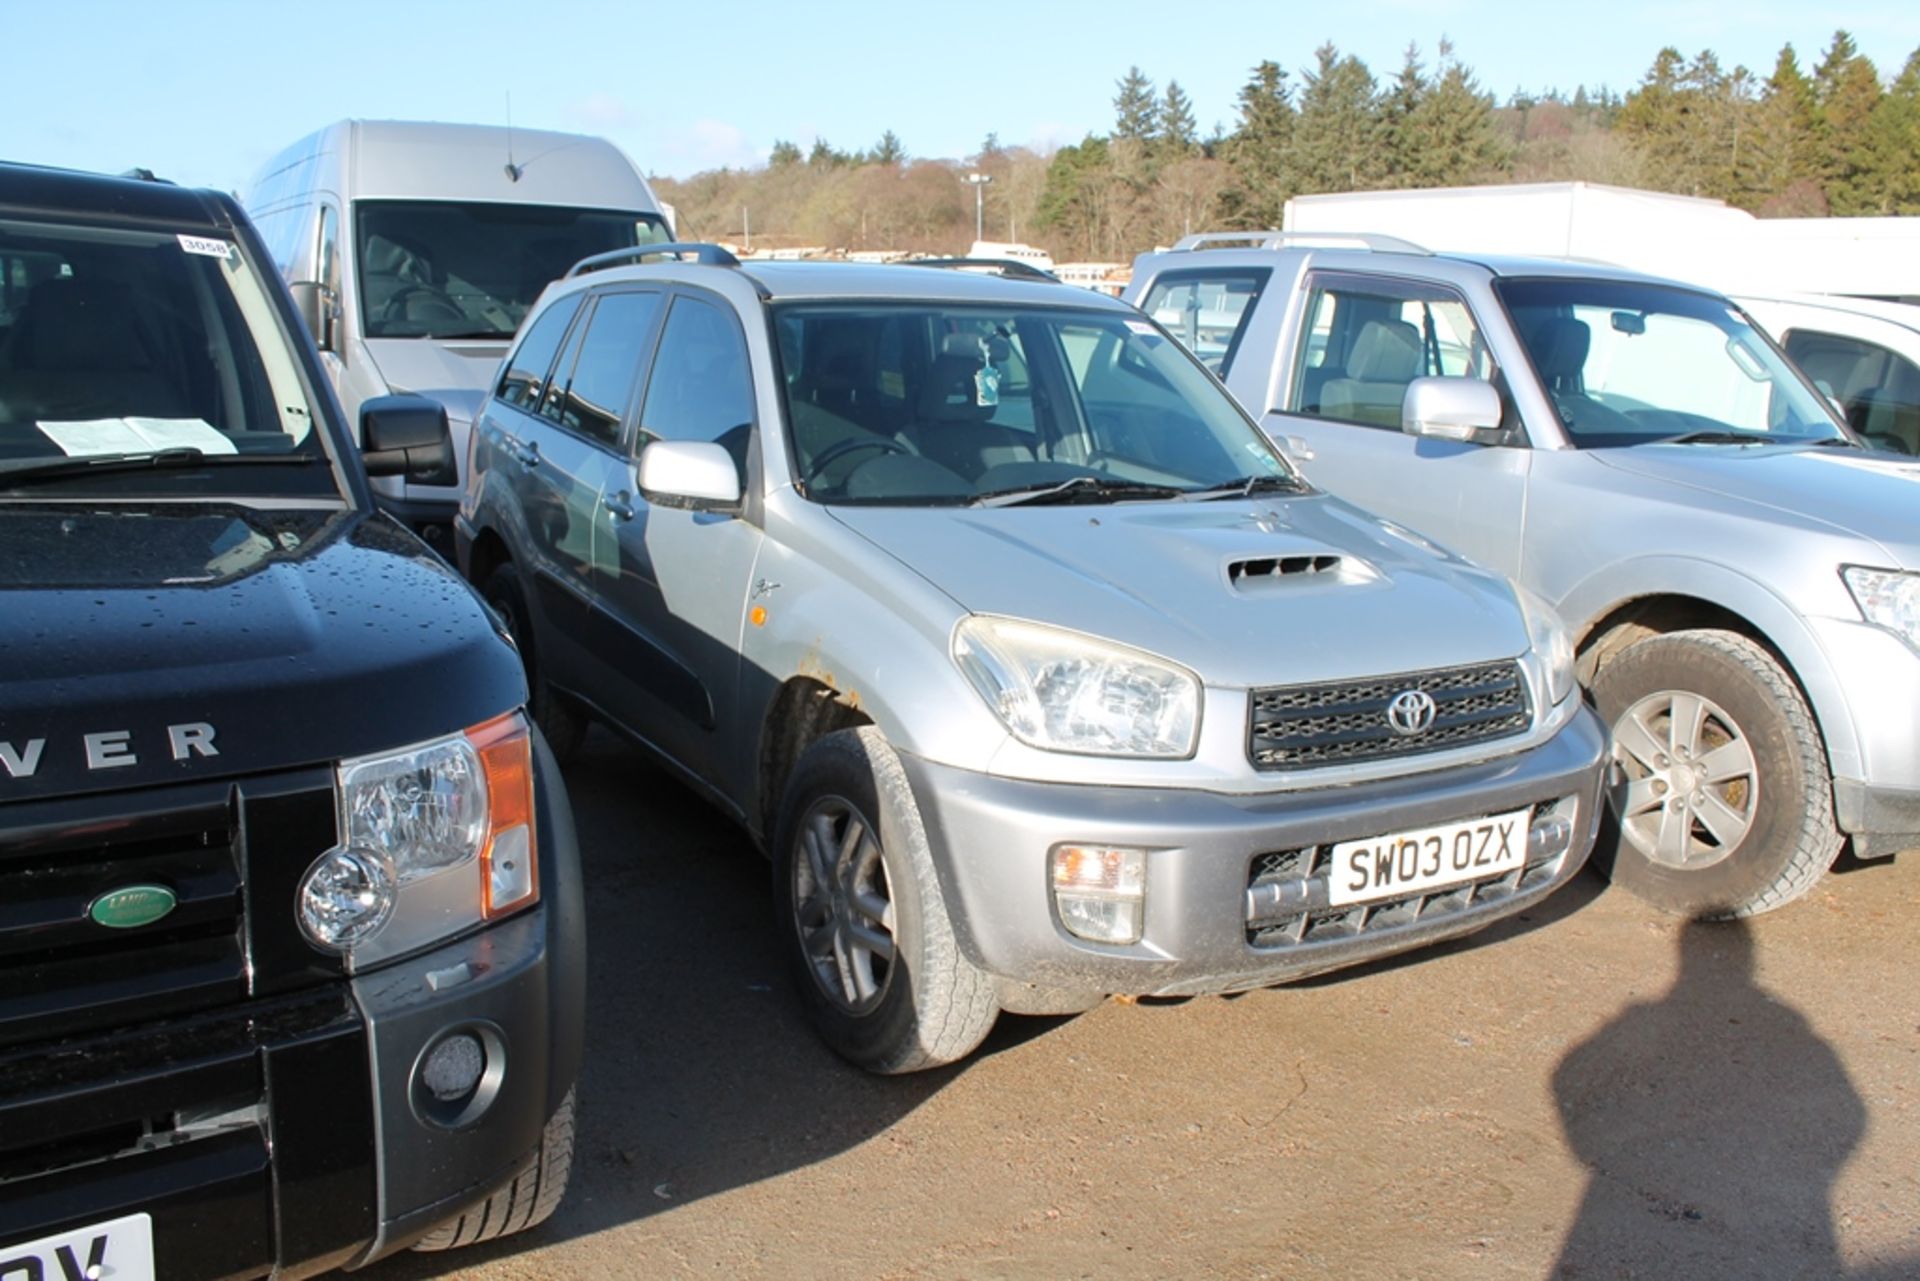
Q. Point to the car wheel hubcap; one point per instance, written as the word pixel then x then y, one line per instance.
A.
pixel 843 905
pixel 1683 784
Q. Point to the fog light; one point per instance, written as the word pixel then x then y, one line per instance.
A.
pixel 1549 836
pixel 453 1068
pixel 1100 893
pixel 345 897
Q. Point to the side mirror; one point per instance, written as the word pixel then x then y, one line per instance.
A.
pixel 689 473
pixel 1463 409
pixel 314 302
pixel 407 436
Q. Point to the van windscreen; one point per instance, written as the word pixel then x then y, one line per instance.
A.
pixel 446 269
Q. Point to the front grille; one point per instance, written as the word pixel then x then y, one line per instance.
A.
pixel 1293 885
pixel 62 973
pixel 1300 726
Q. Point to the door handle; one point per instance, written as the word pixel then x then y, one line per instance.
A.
pixel 620 504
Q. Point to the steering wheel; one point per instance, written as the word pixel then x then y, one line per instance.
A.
pixel 841 448
pixel 395 307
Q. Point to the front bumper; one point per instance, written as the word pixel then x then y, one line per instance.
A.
pixel 1205 932
pixel 282 1133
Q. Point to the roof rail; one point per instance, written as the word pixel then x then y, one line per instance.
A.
pixel 707 255
pixel 1289 239
pixel 1012 267
pixel 140 173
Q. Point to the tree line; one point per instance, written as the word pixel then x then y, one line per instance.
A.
pixel 1834 139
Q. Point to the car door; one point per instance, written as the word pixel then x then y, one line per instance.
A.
pixel 674 585
pixel 1360 341
pixel 564 435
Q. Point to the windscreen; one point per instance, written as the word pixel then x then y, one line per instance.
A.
pixel 910 403
pixel 131 342
pixel 1626 363
pixel 442 269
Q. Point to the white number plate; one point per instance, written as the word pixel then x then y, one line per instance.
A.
pixel 1431 858
pixel 119 1248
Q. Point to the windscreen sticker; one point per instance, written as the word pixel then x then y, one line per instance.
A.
pixel 1140 327
pixel 206 246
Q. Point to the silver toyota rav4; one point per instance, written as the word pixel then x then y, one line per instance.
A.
pixel 1037 672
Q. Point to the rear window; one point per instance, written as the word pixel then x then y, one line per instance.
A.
pixel 1207 310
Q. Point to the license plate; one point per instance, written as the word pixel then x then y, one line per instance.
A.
pixel 120 1249
pixel 1428 859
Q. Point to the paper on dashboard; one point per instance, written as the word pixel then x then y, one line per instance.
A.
pixel 91 437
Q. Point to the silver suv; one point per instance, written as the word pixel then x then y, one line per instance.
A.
pixel 1037 672
pixel 1739 572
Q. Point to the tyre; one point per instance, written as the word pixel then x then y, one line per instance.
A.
pixel 865 923
pixel 528 1200
pixel 563 724
pixel 1719 788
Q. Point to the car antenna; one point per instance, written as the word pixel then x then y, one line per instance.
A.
pixel 513 171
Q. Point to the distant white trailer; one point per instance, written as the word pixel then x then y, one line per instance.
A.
pixel 1687 238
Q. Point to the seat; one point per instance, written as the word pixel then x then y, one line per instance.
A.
pixel 1386 356
pixel 1559 346
pixel 1884 421
pixel 80 349
pixel 951 424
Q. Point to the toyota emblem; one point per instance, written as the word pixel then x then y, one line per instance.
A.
pixel 1411 712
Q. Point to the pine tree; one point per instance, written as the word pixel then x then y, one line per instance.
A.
pixel 888 151
pixel 1654 121
pixel 1780 150
pixel 1450 137
pixel 783 154
pixel 1256 152
pixel 1397 106
pixel 1889 178
pixel 1336 135
pixel 1846 90
pixel 1136 109
pixel 1179 134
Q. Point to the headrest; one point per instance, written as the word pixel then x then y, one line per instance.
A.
pixel 71 322
pixel 1386 351
pixel 950 392
pixel 1559 347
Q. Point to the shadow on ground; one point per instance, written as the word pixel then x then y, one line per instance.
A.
pixel 701 1072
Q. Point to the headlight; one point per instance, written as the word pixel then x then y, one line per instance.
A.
pixel 1887 598
pixel 435 838
pixel 1551 641
pixel 1065 692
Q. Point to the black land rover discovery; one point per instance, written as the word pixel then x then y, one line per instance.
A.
pixel 291 962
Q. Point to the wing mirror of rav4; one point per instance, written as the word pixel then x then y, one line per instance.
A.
pixel 1463 409
pixel 689 473
pixel 407 436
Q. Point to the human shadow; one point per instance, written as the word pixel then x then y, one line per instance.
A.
pixel 701 1074
pixel 1713 1121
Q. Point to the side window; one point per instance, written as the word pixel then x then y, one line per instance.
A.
pixel 326 266
pixel 1877 389
pixel 1207 310
pixel 1364 341
pixel 702 382
pixel 525 376
pixel 594 400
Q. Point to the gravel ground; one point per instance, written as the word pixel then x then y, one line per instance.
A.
pixel 1591 1091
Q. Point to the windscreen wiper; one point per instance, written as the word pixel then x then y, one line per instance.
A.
pixel 1076 489
pixel 1248 486
pixel 29 471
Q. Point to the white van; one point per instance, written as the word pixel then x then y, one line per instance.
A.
pixel 413 250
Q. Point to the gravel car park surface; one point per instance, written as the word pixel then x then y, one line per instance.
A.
pixel 1588 1091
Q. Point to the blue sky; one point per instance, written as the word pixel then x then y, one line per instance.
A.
pixel 203 90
